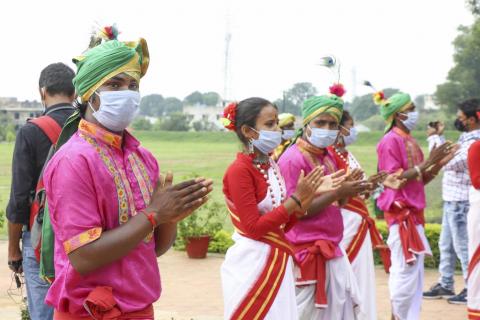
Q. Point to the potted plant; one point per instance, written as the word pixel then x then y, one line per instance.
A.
pixel 197 229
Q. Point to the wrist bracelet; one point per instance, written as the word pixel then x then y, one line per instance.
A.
pixel 419 172
pixel 150 218
pixel 297 201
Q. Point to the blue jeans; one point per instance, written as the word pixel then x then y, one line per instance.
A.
pixel 36 287
pixel 453 241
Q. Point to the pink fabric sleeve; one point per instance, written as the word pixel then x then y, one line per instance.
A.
pixel 290 172
pixel 390 156
pixel 72 200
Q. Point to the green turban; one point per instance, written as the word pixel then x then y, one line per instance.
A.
pixel 396 103
pixel 329 104
pixel 107 60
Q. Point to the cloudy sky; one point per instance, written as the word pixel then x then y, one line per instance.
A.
pixel 275 43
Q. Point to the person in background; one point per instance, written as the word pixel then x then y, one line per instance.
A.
pixel 31 149
pixel 286 122
pixel 456 183
pixel 360 233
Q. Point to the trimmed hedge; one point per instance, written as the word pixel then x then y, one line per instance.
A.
pixel 222 241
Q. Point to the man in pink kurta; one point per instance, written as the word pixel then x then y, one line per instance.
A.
pixel 399 154
pixel 326 286
pixel 80 188
pixel 110 217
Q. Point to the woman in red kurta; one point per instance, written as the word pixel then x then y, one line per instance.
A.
pixel 473 300
pixel 257 275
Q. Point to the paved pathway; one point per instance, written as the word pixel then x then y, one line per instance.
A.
pixel 191 290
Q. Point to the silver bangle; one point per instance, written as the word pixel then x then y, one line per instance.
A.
pixel 419 172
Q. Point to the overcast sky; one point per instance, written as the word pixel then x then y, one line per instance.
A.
pixel 405 44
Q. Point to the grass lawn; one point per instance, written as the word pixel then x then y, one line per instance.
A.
pixel 208 154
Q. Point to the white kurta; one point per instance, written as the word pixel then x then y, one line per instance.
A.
pixel 406 280
pixel 473 243
pixel 245 261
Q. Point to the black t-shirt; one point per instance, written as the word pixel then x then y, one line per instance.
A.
pixel 29 155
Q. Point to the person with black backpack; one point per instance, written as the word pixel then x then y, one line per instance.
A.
pixel 33 143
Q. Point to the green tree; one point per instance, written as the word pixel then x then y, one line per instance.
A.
pixel 300 92
pixel 474 6
pixel 463 80
pixel 141 123
pixel 172 105
pixel 194 98
pixel 294 97
pixel 211 98
pixel 151 105
pixel 363 107
pixel 175 122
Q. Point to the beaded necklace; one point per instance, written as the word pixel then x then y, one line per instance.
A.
pixel 270 189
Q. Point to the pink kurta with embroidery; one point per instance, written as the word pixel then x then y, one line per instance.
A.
pixel 398 150
pixel 327 224
pixel 94 183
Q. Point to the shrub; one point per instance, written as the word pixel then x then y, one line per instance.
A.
pixel 221 241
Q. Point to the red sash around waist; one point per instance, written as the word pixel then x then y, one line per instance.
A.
pixel 101 305
pixel 313 269
pixel 407 219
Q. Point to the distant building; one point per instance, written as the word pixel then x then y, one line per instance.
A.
pixel 429 103
pixel 20 111
pixel 203 113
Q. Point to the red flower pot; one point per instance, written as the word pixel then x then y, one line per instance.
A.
pixel 197 247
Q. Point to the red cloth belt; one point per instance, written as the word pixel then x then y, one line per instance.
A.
pixel 407 219
pixel 313 267
pixel 101 305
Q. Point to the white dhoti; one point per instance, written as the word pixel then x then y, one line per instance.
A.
pixel 473 255
pixel 244 263
pixel 406 280
pixel 363 265
pixel 342 294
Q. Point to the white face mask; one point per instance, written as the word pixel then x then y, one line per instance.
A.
pixel 288 134
pixel 117 109
pixel 411 122
pixel 352 137
pixel 267 141
pixel 322 138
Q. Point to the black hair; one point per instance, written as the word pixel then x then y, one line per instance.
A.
pixel 470 108
pixel 345 117
pixel 434 124
pixel 57 78
pixel 247 112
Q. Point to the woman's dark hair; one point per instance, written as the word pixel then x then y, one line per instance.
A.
pixel 345 117
pixel 470 108
pixel 57 78
pixel 247 112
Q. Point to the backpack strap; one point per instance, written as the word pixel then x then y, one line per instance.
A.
pixel 49 126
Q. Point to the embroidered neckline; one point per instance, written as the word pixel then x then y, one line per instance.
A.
pixel 100 134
